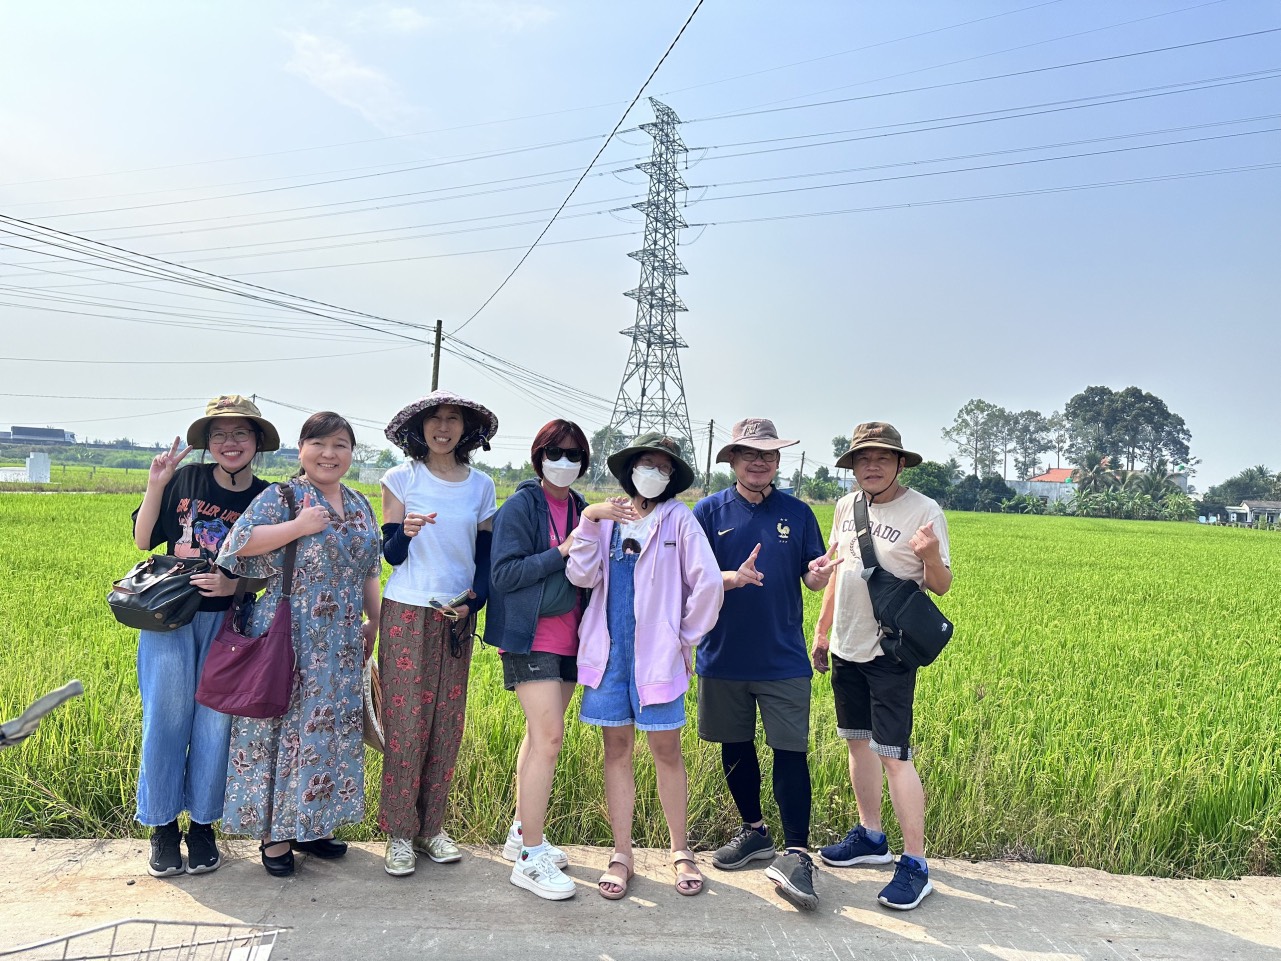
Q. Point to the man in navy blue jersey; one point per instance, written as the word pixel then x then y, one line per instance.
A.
pixel 767 543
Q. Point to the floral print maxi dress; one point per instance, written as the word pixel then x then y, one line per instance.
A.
pixel 301 775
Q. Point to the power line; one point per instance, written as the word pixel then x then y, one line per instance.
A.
pixel 869 46
pixel 586 170
pixel 164 270
pixel 187 360
pixel 1000 196
pixel 999 76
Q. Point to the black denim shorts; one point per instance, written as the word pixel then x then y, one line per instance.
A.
pixel 874 701
pixel 538 666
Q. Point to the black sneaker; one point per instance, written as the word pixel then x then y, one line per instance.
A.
pixel 747 845
pixel 202 849
pixel 166 854
pixel 793 877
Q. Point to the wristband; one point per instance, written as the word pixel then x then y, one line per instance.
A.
pixel 395 544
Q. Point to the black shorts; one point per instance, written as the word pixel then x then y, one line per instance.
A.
pixel 538 666
pixel 874 703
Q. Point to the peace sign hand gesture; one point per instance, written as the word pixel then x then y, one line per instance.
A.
pixel 312 518
pixel 164 464
pixel 747 573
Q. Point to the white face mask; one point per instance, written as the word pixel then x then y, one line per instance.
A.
pixel 649 481
pixel 560 473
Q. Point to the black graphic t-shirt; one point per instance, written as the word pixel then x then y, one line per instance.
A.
pixel 196 515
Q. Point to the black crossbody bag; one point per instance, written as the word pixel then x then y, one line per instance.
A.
pixel 915 630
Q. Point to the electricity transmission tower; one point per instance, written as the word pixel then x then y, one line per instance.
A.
pixel 652 393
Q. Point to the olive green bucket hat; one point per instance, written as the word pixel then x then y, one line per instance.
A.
pixel 877 433
pixel 682 473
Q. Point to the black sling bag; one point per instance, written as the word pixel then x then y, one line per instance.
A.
pixel 915 630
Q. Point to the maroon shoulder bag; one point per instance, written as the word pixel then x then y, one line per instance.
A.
pixel 254 676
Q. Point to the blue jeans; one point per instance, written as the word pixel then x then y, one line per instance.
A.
pixel 184 744
pixel 615 702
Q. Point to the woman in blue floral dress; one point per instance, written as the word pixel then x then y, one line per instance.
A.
pixel 291 780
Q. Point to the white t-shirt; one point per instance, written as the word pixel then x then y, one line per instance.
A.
pixel 442 556
pixel 855 634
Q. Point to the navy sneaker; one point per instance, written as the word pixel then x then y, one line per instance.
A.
pixel 856 849
pixel 910 886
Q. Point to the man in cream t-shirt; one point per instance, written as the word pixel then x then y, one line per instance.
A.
pixel 873 691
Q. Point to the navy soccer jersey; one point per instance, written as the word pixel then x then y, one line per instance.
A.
pixel 760 635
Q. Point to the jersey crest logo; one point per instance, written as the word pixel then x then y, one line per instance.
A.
pixel 784 531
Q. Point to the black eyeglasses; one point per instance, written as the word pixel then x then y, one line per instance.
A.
pixel 573 454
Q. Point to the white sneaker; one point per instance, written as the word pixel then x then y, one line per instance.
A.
pixel 515 841
pixel 399 859
pixel 541 875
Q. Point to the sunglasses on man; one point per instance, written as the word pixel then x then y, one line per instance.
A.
pixel 572 454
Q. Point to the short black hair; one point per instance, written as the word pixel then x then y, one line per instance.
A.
pixel 625 481
pixel 473 431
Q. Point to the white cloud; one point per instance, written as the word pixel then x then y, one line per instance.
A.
pixel 512 15
pixel 405 20
pixel 388 18
pixel 329 66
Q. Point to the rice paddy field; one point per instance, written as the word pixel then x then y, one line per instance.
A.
pixel 1110 700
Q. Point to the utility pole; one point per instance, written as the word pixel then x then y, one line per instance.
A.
pixel 711 431
pixel 799 486
pixel 651 395
pixel 435 357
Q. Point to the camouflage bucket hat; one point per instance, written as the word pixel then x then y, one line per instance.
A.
pixel 877 434
pixel 682 473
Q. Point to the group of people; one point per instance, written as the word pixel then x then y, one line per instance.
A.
pixel 629 597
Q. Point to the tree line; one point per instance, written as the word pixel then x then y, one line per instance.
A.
pixel 1128 429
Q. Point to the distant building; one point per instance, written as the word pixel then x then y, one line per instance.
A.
pixel 1252 513
pixel 1052 487
pixel 40 435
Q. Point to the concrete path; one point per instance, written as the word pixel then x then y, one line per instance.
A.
pixel 352 909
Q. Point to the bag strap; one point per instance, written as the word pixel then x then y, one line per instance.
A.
pixel 862 527
pixel 291 551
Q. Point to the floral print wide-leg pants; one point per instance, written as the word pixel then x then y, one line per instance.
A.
pixel 424 699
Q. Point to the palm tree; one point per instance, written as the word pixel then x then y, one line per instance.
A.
pixel 1093 475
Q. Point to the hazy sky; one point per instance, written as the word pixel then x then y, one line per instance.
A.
pixel 397 159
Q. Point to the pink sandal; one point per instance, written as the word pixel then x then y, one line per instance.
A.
pixel 618 880
pixel 692 879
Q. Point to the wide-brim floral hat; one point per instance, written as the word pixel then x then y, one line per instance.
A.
pixel 410 416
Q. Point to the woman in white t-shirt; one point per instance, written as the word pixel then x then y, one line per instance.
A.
pixel 437 523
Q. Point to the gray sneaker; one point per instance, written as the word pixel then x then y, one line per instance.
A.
pixel 747 845
pixel 793 877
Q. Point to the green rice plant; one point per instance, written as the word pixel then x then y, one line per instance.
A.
pixel 1110 700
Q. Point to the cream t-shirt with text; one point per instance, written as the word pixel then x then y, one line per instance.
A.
pixel 855 634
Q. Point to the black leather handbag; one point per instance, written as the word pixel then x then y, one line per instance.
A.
pixel 157 595
pixel 914 630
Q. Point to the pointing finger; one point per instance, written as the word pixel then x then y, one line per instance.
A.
pixel 755 553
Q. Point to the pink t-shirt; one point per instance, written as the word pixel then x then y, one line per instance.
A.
pixel 558 635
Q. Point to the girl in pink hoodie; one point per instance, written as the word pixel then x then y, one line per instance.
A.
pixel 656 590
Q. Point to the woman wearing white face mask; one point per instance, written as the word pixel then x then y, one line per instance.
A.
pixel 533 620
pixel 657 589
